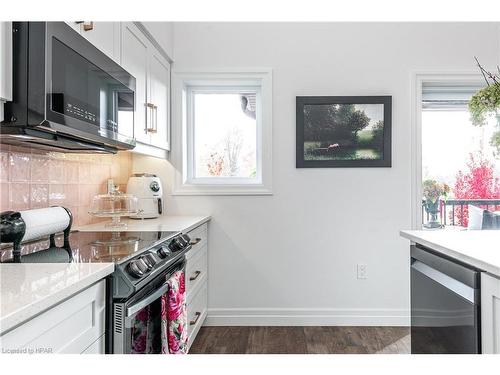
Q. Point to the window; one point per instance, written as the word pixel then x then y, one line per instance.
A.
pixel 226 133
pixel 456 153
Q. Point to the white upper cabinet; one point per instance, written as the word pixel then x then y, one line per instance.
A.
pixel 159 90
pixel 152 73
pixel 5 64
pixel 6 61
pixel 134 59
pixel 163 34
pixel 103 35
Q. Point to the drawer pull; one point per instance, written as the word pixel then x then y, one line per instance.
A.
pixel 195 241
pixel 196 274
pixel 193 322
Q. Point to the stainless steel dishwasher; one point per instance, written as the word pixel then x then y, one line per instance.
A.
pixel 445 304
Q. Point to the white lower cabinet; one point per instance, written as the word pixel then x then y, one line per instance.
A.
pixel 97 347
pixel 490 314
pixel 197 313
pixel 197 280
pixel 74 326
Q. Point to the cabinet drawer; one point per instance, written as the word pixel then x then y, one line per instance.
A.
pixel 197 312
pixel 196 272
pixel 199 239
pixel 69 327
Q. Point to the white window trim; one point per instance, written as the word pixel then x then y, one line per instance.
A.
pixel 417 80
pixel 184 184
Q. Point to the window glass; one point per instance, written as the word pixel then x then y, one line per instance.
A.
pixel 225 134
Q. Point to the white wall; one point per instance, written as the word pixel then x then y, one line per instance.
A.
pixel 291 258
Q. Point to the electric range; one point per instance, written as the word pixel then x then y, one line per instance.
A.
pixel 144 261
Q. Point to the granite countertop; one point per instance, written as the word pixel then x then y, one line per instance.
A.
pixel 479 248
pixel 162 223
pixel 28 289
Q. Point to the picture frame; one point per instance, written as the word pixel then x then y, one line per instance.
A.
pixel 343 131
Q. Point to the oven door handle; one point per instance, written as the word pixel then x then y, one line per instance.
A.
pixel 138 306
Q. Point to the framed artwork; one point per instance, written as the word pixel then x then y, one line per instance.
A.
pixel 343 131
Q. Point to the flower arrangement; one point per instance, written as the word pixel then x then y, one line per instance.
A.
pixel 433 190
pixel 486 103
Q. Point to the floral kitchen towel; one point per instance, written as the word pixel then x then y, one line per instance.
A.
pixel 174 336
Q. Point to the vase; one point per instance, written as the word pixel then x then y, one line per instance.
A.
pixel 432 208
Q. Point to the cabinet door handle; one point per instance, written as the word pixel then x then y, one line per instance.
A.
pixel 87 26
pixel 195 241
pixel 156 118
pixel 150 109
pixel 196 274
pixel 193 322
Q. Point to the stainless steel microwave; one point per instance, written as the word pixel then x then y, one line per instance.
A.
pixel 67 95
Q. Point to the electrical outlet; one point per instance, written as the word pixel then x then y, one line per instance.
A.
pixel 362 272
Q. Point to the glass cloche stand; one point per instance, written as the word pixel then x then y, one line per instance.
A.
pixel 114 205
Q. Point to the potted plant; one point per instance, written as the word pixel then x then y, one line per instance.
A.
pixel 485 104
pixel 432 192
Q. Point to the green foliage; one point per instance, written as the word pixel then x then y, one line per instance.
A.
pixel 495 142
pixel 485 103
pixel 331 122
pixel 342 154
pixel 378 135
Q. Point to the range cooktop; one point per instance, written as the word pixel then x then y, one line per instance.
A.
pixel 93 247
pixel 116 247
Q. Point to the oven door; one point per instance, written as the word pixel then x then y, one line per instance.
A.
pixel 130 329
pixel 88 95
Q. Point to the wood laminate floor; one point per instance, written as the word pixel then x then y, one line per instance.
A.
pixel 301 340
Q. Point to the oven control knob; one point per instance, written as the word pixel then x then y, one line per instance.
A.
pixel 149 260
pixel 183 241
pixel 137 268
pixel 163 252
pixel 186 238
pixel 176 245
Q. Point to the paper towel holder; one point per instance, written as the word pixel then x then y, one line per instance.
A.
pixel 13 229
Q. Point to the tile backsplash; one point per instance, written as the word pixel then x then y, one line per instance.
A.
pixel 33 179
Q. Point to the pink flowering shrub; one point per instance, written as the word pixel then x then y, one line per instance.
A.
pixel 478 182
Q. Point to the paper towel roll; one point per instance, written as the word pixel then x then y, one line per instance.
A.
pixel 44 221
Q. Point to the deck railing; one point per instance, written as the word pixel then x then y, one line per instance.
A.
pixel 452 211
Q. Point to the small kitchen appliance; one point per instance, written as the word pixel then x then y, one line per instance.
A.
pixel 147 188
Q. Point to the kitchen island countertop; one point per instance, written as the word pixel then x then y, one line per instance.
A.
pixel 480 249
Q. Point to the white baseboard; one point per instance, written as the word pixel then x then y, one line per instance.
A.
pixel 307 317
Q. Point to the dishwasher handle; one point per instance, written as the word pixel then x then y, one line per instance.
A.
pixel 448 282
pixel 451 267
